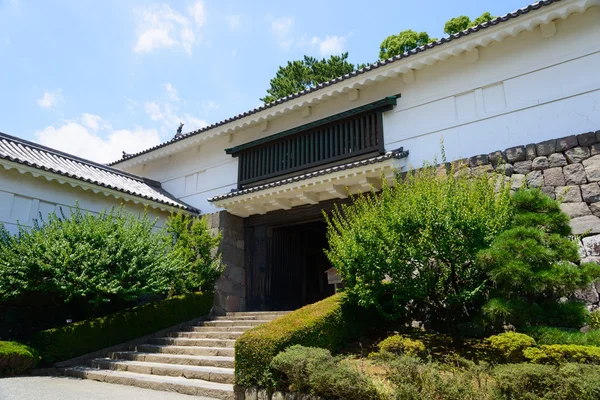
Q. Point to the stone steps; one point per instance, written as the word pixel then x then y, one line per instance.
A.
pixel 211 374
pixel 193 387
pixel 196 360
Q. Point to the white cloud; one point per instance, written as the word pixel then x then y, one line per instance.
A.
pixel 330 45
pixel 171 92
pixel 282 28
pixel 198 12
pixel 49 99
pixel 93 138
pixel 170 117
pixel 153 111
pixel 162 27
pixel 234 22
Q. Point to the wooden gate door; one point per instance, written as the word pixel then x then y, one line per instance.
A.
pixel 288 270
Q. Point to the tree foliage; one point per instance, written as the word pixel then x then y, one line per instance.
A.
pixel 114 255
pixel 306 73
pixel 194 245
pixel 534 263
pixel 403 42
pixel 461 23
pixel 411 251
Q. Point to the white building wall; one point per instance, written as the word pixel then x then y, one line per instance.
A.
pixel 525 89
pixel 23 198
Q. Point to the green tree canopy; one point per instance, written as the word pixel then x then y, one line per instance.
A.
pixel 407 40
pixel 306 73
pixel 459 24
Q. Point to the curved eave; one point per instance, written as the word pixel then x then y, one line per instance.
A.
pixel 483 35
pixel 88 186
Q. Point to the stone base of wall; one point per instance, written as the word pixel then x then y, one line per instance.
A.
pixel 568 170
pixel 230 288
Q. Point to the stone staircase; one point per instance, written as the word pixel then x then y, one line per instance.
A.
pixel 196 361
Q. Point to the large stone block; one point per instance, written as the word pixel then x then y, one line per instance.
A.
pixel 481 169
pixel 476 161
pixel 554 177
pixel 522 167
pixel 515 154
pixel 586 225
pixel 252 393
pixel 535 179
pixel 557 160
pixel 590 192
pixel 577 154
pixel 540 163
pixel 546 148
pixel 592 168
pixel 505 168
pixel 591 245
pixel 568 194
pixel 264 394
pixel 586 139
pixel 497 157
pixel 278 396
pixel 595 149
pixel 595 209
pixel 517 181
pixel 530 152
pixel 574 174
pixel 549 191
pixel 566 143
pixel 575 210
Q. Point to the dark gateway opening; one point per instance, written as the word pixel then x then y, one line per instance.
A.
pixel 285 260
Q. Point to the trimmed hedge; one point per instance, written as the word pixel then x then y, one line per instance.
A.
pixel 83 337
pixel 16 358
pixel 328 324
pixel 563 353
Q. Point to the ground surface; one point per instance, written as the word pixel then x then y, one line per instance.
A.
pixel 62 388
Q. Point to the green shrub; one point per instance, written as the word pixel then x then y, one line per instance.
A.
pixel 531 381
pixel 595 319
pixel 341 380
pixel 410 250
pixel 510 345
pixel 83 337
pixel 327 324
pixel 194 245
pixel 398 344
pixel 415 379
pixel 563 353
pixel 534 264
pixel 551 335
pixel 16 358
pixel 297 363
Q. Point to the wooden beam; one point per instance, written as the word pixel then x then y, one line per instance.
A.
pixel 339 191
pixel 257 208
pixel 282 203
pixel 308 197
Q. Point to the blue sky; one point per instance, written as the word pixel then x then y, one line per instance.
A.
pixel 95 78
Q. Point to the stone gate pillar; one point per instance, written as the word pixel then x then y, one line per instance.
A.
pixel 230 288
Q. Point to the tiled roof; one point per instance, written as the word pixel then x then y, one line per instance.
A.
pixel 378 64
pixel 44 158
pixel 399 153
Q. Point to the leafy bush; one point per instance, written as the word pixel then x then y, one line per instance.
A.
pixel 398 344
pixel 341 380
pixel 83 337
pixel 563 353
pixel 410 251
pixel 100 257
pixel 595 319
pixel 328 324
pixel 510 345
pixel 531 381
pixel 415 379
pixel 16 358
pixel 194 245
pixel 298 362
pixel 551 335
pixel 535 263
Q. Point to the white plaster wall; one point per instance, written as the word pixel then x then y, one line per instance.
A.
pixel 23 198
pixel 522 90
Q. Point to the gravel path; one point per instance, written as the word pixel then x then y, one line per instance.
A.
pixel 62 388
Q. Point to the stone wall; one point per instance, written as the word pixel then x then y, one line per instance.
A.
pixel 230 288
pixel 567 169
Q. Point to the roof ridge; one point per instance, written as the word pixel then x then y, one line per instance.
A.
pixel 380 63
pixel 85 161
